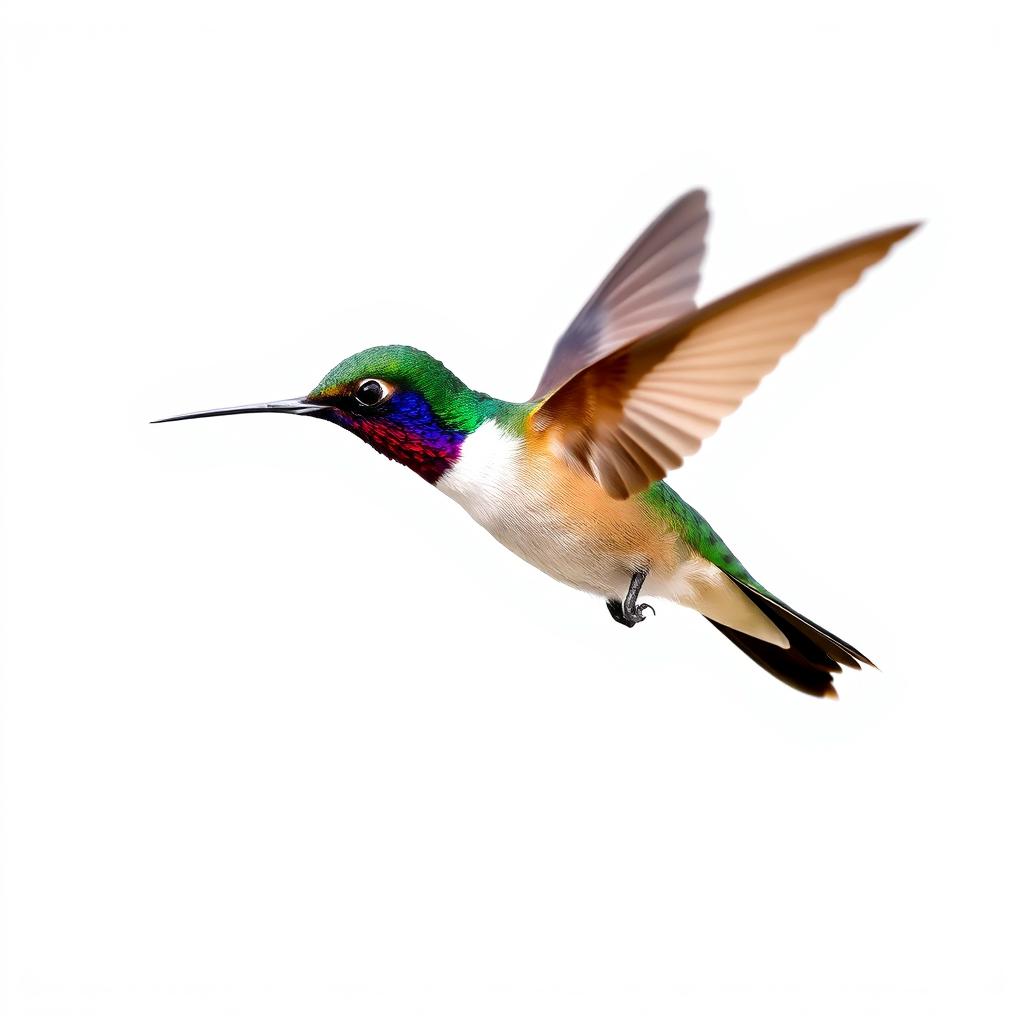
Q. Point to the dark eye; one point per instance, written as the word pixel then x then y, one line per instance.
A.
pixel 370 392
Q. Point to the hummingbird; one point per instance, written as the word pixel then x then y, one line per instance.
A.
pixel 572 480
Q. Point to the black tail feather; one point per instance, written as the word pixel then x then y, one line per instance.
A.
pixel 814 654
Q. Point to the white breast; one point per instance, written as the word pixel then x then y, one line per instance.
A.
pixel 491 482
pixel 487 475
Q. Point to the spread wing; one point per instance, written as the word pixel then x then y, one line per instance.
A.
pixel 639 411
pixel 652 284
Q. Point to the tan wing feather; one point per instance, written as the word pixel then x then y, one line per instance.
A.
pixel 653 283
pixel 639 411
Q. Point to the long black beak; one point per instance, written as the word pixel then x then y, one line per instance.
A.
pixel 298 406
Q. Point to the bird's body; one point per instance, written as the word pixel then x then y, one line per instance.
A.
pixel 571 481
pixel 564 523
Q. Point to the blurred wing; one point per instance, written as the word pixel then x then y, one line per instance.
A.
pixel 652 284
pixel 635 414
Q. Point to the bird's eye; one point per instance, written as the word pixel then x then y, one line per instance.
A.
pixel 370 392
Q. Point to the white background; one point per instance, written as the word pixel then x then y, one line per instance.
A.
pixel 286 737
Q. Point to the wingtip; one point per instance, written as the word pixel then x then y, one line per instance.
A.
pixel 697 197
pixel 889 237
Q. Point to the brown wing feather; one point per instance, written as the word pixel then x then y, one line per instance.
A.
pixel 637 412
pixel 655 282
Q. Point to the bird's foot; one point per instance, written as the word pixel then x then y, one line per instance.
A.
pixel 628 612
pixel 628 617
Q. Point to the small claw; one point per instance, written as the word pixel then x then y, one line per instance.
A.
pixel 637 614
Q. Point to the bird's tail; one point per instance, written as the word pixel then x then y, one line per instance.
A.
pixel 813 656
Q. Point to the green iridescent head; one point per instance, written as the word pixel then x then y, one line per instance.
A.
pixel 399 369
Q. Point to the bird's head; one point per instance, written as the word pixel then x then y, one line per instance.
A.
pixel 399 400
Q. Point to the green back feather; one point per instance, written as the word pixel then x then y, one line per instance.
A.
pixel 696 531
